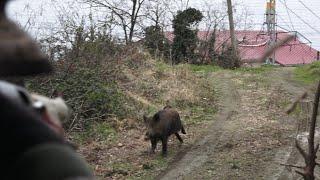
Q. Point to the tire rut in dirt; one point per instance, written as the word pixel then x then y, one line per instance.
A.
pixel 194 157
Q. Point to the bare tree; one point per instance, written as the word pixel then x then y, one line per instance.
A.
pixel 176 5
pixel 28 19
pixel 243 17
pixel 155 11
pixel 126 13
pixel 214 19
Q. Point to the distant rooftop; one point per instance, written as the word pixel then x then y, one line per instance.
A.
pixel 252 44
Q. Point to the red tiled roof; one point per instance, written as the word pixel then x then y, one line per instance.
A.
pixel 252 45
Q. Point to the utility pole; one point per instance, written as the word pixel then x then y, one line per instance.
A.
pixel 231 25
pixel 271 27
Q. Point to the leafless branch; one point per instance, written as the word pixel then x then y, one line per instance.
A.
pixel 302 152
pixel 275 47
pixel 126 12
pixel 295 103
pixel 301 173
pixel 310 157
pixel 290 165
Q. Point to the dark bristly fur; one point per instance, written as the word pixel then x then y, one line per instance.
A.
pixel 163 124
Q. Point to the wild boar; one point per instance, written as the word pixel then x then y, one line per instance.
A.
pixel 159 127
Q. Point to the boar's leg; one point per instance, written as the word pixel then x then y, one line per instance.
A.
pixel 164 145
pixel 153 144
pixel 179 137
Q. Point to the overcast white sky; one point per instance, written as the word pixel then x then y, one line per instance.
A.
pixel 298 16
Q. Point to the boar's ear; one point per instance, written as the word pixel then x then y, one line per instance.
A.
pixel 145 119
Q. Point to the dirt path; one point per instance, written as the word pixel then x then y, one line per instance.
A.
pixel 187 162
pixel 250 135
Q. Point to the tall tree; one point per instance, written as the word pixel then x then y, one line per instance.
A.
pixel 155 12
pixel 185 40
pixel 214 19
pixel 156 42
pixel 126 12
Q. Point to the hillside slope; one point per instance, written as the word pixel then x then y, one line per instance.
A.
pixel 235 121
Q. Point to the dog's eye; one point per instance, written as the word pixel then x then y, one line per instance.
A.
pixel 39 106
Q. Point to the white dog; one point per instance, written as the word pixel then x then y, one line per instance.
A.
pixel 56 112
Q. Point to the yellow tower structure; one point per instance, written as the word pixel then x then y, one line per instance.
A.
pixel 271 27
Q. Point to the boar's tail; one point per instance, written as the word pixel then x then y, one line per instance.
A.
pixel 182 130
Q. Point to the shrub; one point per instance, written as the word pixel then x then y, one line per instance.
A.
pixel 228 60
pixel 185 40
pixel 156 42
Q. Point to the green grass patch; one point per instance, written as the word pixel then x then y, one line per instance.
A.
pixel 152 110
pixel 162 66
pixel 199 115
pixel 259 80
pixel 308 73
pixel 182 103
pixel 152 166
pixel 203 68
pixel 256 70
pixel 198 119
pixel 284 103
pixel 122 168
pixel 98 131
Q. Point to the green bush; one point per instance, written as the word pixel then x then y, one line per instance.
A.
pixel 228 60
pixel 156 42
pixel 86 91
pixel 185 40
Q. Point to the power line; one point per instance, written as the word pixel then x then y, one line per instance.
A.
pixel 283 21
pixel 305 22
pixel 285 4
pixel 297 33
pixel 309 9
